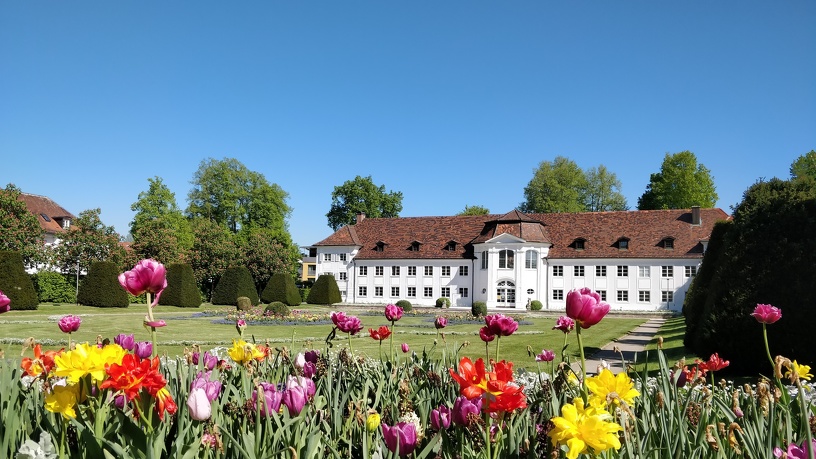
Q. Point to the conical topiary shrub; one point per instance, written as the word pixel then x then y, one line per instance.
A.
pixel 15 283
pixel 181 288
pixel 324 291
pixel 235 282
pixel 101 287
pixel 281 287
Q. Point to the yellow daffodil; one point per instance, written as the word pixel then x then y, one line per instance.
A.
pixel 87 359
pixel 243 352
pixel 800 371
pixel 610 389
pixel 581 429
pixel 63 399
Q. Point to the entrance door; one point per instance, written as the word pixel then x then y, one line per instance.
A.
pixel 506 294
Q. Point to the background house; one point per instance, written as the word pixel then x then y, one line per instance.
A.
pixel 53 218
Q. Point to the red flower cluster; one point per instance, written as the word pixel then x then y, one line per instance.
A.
pixel 135 374
pixel 498 391
pixel 41 364
pixel 379 334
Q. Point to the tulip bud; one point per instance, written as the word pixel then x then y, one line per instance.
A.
pixel 143 349
pixel 405 348
pixel 372 422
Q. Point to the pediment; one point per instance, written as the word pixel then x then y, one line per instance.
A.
pixel 505 238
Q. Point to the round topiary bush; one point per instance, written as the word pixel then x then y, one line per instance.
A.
pixel 101 287
pixel 243 303
pixel 443 302
pixel 53 287
pixel 478 309
pixel 235 282
pixel 281 287
pixel 325 291
pixel 15 283
pixel 536 305
pixel 405 305
pixel 277 308
pixel 181 288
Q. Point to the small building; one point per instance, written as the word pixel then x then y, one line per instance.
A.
pixel 53 218
pixel 636 260
pixel 308 267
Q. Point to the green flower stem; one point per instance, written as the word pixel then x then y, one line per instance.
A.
pixel 806 418
pixel 767 348
pixel 391 355
pixel 498 340
pixel 63 428
pixel 152 329
pixel 584 392
pixel 69 341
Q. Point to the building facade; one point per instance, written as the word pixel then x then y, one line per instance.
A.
pixel 636 260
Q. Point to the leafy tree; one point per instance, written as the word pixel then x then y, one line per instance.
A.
pixel 556 186
pixel 680 184
pixel 603 191
pixel 228 193
pixel 54 287
pixel 362 195
pixel 474 210
pixel 213 252
pixel 19 229
pixel 804 166
pixel 263 255
pixel 155 239
pixel 88 241
pixel 158 204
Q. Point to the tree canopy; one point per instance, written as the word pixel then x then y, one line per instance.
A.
pixel 89 240
pixel 561 186
pixel 362 195
pixel 157 208
pixel 680 184
pixel 19 229
pixel 804 166
pixel 474 210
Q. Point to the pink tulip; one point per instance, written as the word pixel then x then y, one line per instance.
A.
pixel 393 312
pixel 346 324
pixel 565 324
pixel 485 335
pixel 199 405
pixel 441 322
pixel 271 398
pixel 155 323
pixel 4 303
pixel 147 276
pixel 585 307
pixel 501 325
pixel 69 323
pixel 405 348
pixel 545 356
pixel 294 398
pixel 767 314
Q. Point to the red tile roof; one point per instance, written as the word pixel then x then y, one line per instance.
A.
pixel 42 206
pixel 600 231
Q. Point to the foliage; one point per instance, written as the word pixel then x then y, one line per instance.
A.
pixel 157 208
pixel 15 283
pixel 101 287
pixel 603 191
pixel 212 253
pixel 263 255
pixel 767 257
pixel 405 305
pixel 277 308
pixel 536 305
pixel 155 239
pixel 804 166
pixel 54 287
pixel 324 291
pixel 361 195
pixel 561 186
pixel 235 282
pixel 281 287
pixel 19 229
pixel 680 184
pixel 478 309
pixel 443 302
pixel 181 287
pixel 474 210
pixel 88 241
pixel 229 194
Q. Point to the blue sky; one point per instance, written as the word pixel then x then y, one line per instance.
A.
pixel 453 103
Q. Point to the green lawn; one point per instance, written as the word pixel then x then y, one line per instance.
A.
pixel 417 330
pixel 672 331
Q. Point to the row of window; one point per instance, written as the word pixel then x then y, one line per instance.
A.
pixel 334 257
pixel 412 270
pixel 644 296
pixel 623 271
pixel 427 292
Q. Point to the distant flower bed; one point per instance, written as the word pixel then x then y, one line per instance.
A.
pixel 258 316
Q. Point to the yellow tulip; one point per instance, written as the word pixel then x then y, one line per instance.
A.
pixel 63 399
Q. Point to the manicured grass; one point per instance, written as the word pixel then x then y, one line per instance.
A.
pixel 185 329
pixel 672 331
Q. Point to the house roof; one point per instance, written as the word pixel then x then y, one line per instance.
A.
pixel 42 207
pixel 644 229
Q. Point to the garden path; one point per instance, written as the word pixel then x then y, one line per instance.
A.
pixel 629 345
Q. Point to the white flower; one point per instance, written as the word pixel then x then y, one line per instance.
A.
pixel 42 450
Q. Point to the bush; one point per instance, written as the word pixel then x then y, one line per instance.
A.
pixel 101 287
pixel 478 309
pixel 235 282
pixel 277 308
pixel 443 302
pixel 304 292
pixel 405 305
pixel 325 291
pixel 536 305
pixel 15 283
pixel 181 288
pixel 53 287
pixel 281 287
pixel 244 303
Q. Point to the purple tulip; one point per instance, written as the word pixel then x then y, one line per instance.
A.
pixel 211 388
pixel 119 401
pixel 147 276
pixel 5 303
pixel 69 323
pixel 441 322
pixel 294 398
pixel 441 418
pixel 545 356
pixel 393 312
pixel 400 438
pixel 501 325
pixel 127 342
pixel 309 370
pixel 565 324
pixel 143 349
pixel 463 407
pixel 312 356
pixel 199 405
pixel 272 398
pixel 585 307
pixel 210 361
pixel 485 335
pixel 346 324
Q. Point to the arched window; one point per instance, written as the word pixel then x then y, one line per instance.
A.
pixel 506 293
pixel 506 259
pixel 531 259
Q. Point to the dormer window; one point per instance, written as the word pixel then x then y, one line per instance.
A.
pixel 66 223
pixel 623 243
pixel 380 246
pixel 578 244
pixel 414 246
pixel 451 246
pixel 667 243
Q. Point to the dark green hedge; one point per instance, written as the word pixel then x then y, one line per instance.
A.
pixel 181 288
pixel 235 282
pixel 15 283
pixel 325 291
pixel 101 287
pixel 281 287
pixel 277 308
pixel 478 309
pixel 405 305
pixel 54 287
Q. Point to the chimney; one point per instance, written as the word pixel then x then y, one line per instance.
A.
pixel 360 217
pixel 695 216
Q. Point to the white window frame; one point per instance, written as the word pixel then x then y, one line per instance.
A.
pixel 531 259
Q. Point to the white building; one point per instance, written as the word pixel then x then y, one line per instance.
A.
pixel 636 260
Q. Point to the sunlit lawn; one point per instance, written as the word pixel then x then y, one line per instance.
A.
pixel 672 331
pixel 184 329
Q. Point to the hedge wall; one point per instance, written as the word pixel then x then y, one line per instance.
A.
pixel 325 291
pixel 15 283
pixel 181 288
pixel 235 282
pixel 101 287
pixel 281 287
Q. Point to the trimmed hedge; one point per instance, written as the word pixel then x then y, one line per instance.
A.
pixel 277 308
pixel 536 305
pixel 15 283
pixel 101 287
pixel 53 287
pixel 235 282
pixel 405 305
pixel 325 291
pixel 181 288
pixel 281 287
pixel 443 302
pixel 478 309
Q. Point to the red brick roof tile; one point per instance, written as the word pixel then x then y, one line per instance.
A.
pixel 42 206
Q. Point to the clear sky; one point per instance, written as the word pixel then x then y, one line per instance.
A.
pixel 452 102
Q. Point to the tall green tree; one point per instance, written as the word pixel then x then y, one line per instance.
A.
pixel 229 194
pixel 804 166
pixel 19 229
pixel 603 191
pixel 159 241
pixel 680 184
pixel 158 204
pixel 88 241
pixel 214 250
pixel 474 210
pixel 556 186
pixel 362 195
